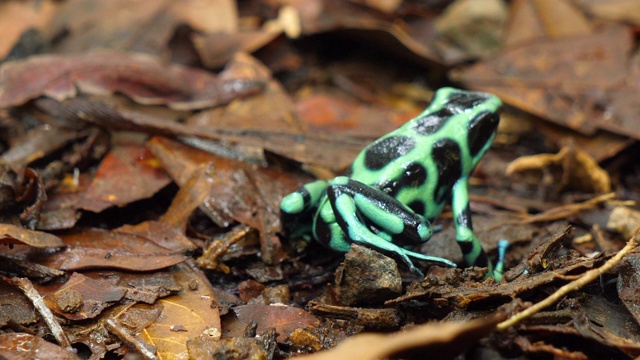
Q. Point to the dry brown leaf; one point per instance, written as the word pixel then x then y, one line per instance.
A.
pixel 100 249
pixel 11 234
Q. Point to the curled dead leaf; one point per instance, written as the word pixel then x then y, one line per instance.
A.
pixel 571 168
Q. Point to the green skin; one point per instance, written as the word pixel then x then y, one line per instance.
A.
pixel 401 182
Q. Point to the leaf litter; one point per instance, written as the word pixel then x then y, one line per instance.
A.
pixel 119 169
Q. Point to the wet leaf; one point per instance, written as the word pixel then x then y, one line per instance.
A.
pixel 15 308
pixel 11 234
pixel 27 346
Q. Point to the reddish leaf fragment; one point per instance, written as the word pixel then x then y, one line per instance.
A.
pixel 143 78
pixel 98 249
pixel 285 319
pixel 128 173
pixel 11 234
pixel 26 346
pixel 83 298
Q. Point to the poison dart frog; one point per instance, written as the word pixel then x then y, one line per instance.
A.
pixel 399 183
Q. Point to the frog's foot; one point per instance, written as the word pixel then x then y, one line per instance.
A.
pixel 498 270
pixel 303 199
pixel 383 211
pixel 474 255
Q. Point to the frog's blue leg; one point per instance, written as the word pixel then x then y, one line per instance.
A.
pixel 469 244
pixel 345 210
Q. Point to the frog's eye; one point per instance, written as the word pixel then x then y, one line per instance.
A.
pixel 481 129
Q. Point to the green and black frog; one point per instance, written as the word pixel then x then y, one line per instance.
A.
pixel 399 183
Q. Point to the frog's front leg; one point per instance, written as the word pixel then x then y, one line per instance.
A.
pixel 296 208
pixel 353 202
pixel 304 199
pixel 469 244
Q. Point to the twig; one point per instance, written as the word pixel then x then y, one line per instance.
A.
pixel 564 211
pixel 585 279
pixel 36 299
pixel 137 344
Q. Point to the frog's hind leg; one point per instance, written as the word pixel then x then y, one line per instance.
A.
pixel 382 210
pixel 345 210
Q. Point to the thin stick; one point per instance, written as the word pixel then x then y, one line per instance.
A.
pixel 584 280
pixel 137 344
pixel 36 299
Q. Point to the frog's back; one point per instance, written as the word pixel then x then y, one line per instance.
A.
pixel 420 162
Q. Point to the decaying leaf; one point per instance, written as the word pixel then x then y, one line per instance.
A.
pixel 128 173
pixel 284 318
pixel 82 298
pixel 234 194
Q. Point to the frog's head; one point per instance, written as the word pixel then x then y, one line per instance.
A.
pixel 474 115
